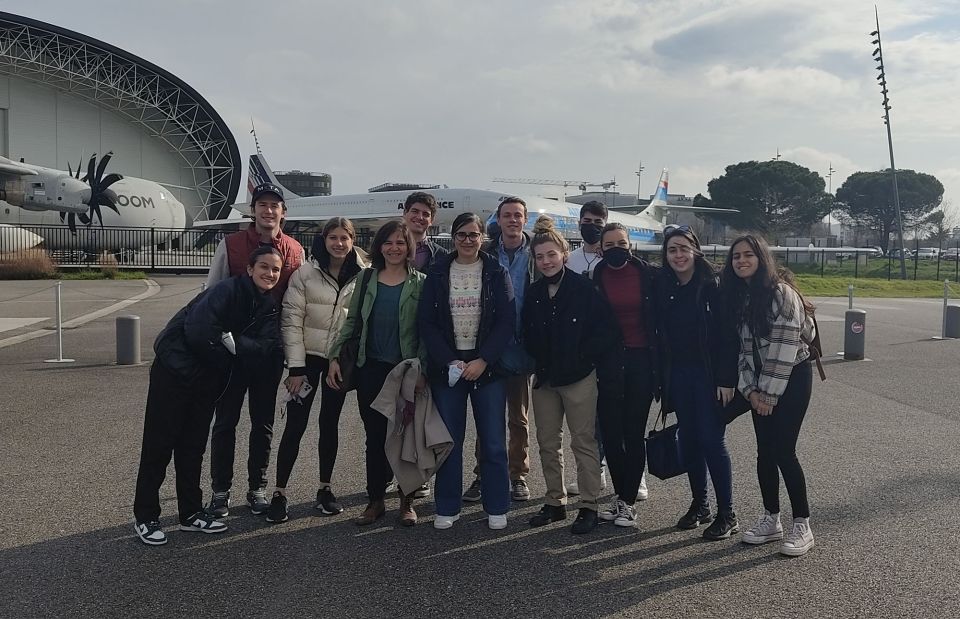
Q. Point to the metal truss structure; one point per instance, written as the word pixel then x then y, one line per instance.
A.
pixel 134 89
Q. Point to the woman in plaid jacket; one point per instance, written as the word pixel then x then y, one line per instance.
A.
pixel 775 326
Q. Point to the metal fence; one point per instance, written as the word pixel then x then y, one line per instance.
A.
pixel 164 249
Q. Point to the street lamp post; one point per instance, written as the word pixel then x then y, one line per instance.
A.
pixel 882 78
pixel 830 172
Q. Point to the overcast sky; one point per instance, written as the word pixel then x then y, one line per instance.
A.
pixel 435 91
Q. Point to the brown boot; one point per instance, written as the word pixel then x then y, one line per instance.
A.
pixel 407 516
pixel 373 512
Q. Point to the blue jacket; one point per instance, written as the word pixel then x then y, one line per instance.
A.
pixel 497 317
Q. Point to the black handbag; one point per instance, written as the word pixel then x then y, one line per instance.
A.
pixel 350 350
pixel 663 450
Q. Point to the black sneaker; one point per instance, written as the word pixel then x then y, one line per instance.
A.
pixel 547 515
pixel 722 527
pixel 586 521
pixel 202 522
pixel 150 533
pixel 257 501
pixel 278 508
pixel 219 504
pixel 695 516
pixel 472 495
pixel 422 492
pixel 327 503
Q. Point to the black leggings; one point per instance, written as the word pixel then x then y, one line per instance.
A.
pixel 370 379
pixel 298 414
pixel 777 435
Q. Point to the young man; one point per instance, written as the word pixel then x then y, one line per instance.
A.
pixel 593 217
pixel 419 209
pixel 512 249
pixel 263 380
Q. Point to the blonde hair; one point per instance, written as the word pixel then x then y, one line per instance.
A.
pixel 544 231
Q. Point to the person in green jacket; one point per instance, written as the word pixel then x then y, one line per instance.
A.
pixel 385 301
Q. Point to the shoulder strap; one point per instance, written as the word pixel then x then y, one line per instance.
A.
pixel 816 349
pixel 358 323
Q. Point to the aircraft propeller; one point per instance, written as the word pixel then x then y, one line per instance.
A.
pixel 100 192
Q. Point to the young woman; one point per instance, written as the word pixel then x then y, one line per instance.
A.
pixel 467 318
pixel 628 377
pixel 388 311
pixel 236 320
pixel 314 308
pixel 775 376
pixel 699 357
pixel 567 329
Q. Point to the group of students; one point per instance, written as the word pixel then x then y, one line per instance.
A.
pixel 593 338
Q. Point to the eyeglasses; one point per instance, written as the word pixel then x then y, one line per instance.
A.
pixel 671 229
pixel 463 236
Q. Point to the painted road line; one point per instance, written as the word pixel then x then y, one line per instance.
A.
pixel 152 289
pixel 9 324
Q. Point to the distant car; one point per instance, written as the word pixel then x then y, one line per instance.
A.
pixel 950 254
pixel 875 251
pixel 928 253
pixel 895 254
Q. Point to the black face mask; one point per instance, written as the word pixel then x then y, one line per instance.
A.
pixel 590 233
pixel 616 256
pixel 555 278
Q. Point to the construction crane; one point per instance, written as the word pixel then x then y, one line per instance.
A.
pixel 581 185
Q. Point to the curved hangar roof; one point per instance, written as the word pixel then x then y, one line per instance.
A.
pixel 139 91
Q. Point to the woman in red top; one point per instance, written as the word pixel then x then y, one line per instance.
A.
pixel 627 381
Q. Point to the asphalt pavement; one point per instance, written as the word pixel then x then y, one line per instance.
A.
pixel 879 449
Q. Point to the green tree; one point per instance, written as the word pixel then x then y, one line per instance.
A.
pixel 867 198
pixel 772 196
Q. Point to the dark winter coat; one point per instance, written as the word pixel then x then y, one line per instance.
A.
pixel 190 345
pixel 497 318
pixel 610 370
pixel 569 334
pixel 719 345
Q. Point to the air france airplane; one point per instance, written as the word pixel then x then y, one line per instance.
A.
pixel 371 210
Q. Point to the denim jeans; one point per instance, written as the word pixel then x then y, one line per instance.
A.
pixel 702 431
pixel 489 404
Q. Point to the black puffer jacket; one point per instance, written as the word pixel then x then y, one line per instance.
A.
pixel 190 344
pixel 719 345
pixel 569 334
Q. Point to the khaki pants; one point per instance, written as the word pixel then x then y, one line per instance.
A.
pixel 578 403
pixel 518 423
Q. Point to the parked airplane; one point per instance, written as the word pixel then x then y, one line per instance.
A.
pixel 43 197
pixel 373 209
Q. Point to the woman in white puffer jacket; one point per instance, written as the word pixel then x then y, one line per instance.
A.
pixel 314 308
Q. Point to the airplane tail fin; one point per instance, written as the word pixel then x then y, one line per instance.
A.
pixel 657 209
pixel 259 172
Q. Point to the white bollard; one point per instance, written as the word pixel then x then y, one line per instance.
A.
pixel 849 296
pixel 56 296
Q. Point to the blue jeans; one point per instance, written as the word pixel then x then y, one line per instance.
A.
pixel 489 413
pixel 703 443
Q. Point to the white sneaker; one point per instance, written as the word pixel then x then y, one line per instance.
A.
pixel 799 540
pixel 627 517
pixel 150 533
pixel 767 529
pixel 642 493
pixel 497 522
pixel 611 514
pixel 445 522
pixel 202 522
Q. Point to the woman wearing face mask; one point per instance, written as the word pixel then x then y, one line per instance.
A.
pixel 467 318
pixel 628 377
pixel 775 325
pixel 698 349
pixel 567 328
pixel 314 308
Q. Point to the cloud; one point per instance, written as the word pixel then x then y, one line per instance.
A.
pixel 530 144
